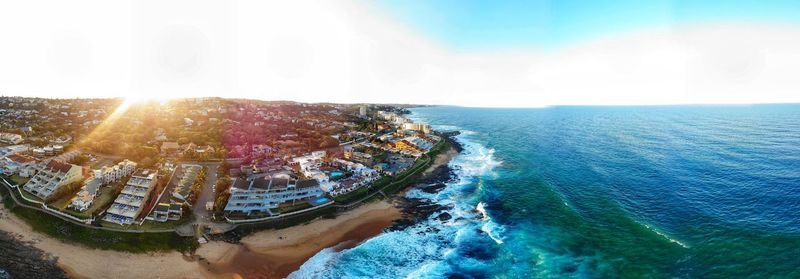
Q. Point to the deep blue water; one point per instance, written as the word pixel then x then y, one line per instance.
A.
pixel 631 192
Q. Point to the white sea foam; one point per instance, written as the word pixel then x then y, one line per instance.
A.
pixel 429 248
pixel 316 266
pixel 490 229
pixel 665 236
pixel 482 209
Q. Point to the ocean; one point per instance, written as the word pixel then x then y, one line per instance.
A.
pixel 601 192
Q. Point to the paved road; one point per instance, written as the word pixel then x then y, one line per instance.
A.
pixel 201 215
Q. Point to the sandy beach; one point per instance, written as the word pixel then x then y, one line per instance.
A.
pixel 266 254
pixel 276 253
pixel 441 160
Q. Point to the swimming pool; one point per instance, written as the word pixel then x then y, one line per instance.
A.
pixel 319 201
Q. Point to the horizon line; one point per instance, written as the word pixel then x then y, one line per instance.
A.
pixel 431 105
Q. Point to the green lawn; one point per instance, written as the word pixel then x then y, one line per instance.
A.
pixel 61 203
pixel 19 180
pixel 104 198
pixel 30 196
pixel 291 208
pixel 152 225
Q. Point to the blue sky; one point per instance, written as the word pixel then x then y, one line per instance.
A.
pixel 468 53
pixel 468 24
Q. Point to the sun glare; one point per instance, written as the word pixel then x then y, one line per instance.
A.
pixel 133 100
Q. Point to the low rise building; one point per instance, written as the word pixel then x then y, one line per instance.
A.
pixel 261 194
pixel 169 147
pixel 421 127
pixel 52 176
pixel 183 189
pixel 109 174
pixel 20 164
pixel 167 212
pixel 130 203
pixel 13 149
pixel 85 197
pixel 67 156
pixel 10 138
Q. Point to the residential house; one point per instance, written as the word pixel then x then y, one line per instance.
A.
pixel 20 164
pixel 167 212
pixel 85 197
pixel 183 189
pixel 169 147
pixel 13 149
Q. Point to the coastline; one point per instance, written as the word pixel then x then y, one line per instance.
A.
pixel 276 253
pixel 269 253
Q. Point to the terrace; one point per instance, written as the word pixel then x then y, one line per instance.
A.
pixel 134 190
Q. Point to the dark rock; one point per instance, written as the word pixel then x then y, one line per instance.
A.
pixel 22 260
pixel 434 188
pixel 444 216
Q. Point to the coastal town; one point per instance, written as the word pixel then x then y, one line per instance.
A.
pixel 201 167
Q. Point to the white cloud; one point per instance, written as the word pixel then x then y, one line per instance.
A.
pixel 352 52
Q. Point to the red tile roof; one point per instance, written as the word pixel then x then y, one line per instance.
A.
pixel 20 159
pixel 58 166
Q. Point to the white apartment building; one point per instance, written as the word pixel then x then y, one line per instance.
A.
pixel 261 194
pixel 115 173
pixel 130 202
pixel 51 177
pixel 425 128
pixel 10 138
pixel 84 199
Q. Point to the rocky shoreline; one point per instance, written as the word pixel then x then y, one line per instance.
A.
pixel 416 210
pixel 22 260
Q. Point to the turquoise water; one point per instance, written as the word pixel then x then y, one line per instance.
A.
pixel 631 192
pixel 336 174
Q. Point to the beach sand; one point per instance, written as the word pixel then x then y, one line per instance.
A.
pixel 276 253
pixel 262 255
pixel 441 160
pixel 81 262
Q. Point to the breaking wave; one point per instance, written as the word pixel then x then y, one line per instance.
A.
pixel 436 247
